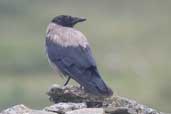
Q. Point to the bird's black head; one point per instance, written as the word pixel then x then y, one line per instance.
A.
pixel 67 21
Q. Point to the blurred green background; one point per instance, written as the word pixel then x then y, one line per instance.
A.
pixel 130 39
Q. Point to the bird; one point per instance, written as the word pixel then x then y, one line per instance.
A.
pixel 69 54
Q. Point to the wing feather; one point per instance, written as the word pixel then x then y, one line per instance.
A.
pixel 67 57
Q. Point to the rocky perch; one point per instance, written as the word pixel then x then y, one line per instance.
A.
pixel 74 100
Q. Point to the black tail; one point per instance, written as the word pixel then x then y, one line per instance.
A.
pixel 101 87
pixel 93 83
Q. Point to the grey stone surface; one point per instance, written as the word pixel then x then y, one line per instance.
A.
pixel 119 110
pixel 132 106
pixel 58 94
pixel 87 111
pixel 118 104
pixel 40 112
pixel 64 107
pixel 18 109
pixel 74 100
pixel 21 109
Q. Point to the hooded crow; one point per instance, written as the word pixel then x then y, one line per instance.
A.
pixel 69 53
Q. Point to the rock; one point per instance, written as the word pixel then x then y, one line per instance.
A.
pixel 58 94
pixel 87 111
pixel 119 110
pixel 131 105
pixel 118 104
pixel 40 112
pixel 18 109
pixel 75 94
pixel 64 107
pixel 21 109
pixel 74 100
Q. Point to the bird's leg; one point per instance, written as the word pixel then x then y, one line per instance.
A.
pixel 67 81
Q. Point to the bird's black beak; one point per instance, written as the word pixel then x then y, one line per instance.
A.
pixel 78 19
